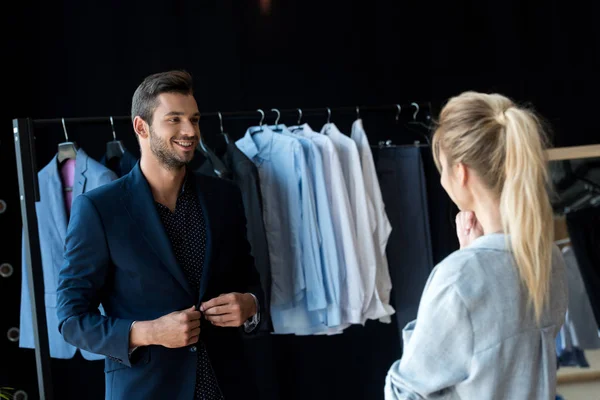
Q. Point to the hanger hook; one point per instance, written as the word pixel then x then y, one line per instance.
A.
pixel 328 115
pixel 299 116
pixel 357 112
pixel 278 115
pixel 262 116
pixel 399 111
pixel 416 111
pixel 112 124
pixel 220 120
pixel 65 129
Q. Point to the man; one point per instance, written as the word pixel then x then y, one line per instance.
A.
pixel 165 252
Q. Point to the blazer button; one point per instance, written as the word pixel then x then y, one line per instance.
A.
pixel 193 349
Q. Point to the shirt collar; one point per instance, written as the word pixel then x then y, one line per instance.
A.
pixel 188 182
pixel 258 145
pixel 186 187
pixel 495 241
pixel 330 129
pixel 303 129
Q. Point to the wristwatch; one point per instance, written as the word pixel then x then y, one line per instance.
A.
pixel 253 321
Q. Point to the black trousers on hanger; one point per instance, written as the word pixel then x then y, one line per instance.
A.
pixel 442 211
pixel 409 250
pixel 584 231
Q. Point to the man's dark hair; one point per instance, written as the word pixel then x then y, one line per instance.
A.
pixel 145 97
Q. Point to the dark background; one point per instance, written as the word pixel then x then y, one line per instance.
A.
pixel 85 58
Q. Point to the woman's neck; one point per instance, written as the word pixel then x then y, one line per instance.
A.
pixel 487 211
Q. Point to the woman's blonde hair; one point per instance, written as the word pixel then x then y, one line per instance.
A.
pixel 504 144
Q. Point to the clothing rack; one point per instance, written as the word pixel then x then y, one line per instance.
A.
pixel 398 109
pixel 23 131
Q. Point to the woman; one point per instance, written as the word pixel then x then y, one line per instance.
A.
pixel 490 312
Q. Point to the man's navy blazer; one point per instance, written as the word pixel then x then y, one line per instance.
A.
pixel 117 254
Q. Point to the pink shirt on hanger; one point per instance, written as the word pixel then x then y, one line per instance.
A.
pixel 67 173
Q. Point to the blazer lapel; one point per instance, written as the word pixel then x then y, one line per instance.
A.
pixel 81 166
pixel 207 203
pixel 139 202
pixel 56 198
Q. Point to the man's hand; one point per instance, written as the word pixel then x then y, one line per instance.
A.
pixel 468 228
pixel 230 310
pixel 177 329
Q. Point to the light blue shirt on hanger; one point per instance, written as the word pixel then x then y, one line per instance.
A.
pixel 290 220
pixel 297 320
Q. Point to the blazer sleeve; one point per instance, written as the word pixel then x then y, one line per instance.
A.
pixel 80 282
pixel 248 272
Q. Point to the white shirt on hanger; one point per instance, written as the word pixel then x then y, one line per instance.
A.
pixel 383 228
pixel 352 291
pixel 362 209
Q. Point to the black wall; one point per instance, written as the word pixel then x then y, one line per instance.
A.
pixel 85 58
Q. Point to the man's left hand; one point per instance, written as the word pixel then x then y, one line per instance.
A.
pixel 229 310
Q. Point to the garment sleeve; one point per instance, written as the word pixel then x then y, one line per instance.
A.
pixel 438 351
pixel 352 293
pixel 80 281
pixel 363 211
pixel 26 324
pixel 310 236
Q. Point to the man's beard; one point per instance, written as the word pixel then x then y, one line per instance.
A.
pixel 167 157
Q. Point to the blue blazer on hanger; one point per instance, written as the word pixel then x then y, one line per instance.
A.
pixel 122 165
pixel 52 229
pixel 118 254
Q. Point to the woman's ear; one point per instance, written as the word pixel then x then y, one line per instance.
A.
pixel 461 174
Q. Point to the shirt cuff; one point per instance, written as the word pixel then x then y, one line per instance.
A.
pixel 253 322
pixel 131 349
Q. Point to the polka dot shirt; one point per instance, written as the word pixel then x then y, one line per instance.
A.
pixel 186 229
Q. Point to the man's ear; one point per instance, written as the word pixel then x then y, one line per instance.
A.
pixel 140 127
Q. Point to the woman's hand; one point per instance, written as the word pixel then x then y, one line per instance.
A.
pixel 468 228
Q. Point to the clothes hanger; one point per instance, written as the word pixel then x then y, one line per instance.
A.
pixel 411 126
pixel 66 150
pixel 277 128
pixel 357 113
pixel 328 123
pixel 298 126
pixel 114 148
pixel 417 123
pixel 388 143
pixel 218 166
pixel 225 135
pixel 260 124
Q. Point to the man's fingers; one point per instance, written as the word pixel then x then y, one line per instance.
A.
pixel 195 332
pixel 191 315
pixel 220 319
pixel 217 301
pixel 229 324
pixel 218 310
pixel 194 324
pixel 193 339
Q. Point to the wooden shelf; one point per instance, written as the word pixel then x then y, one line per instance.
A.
pixel 573 153
pixel 570 375
pixel 579 376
